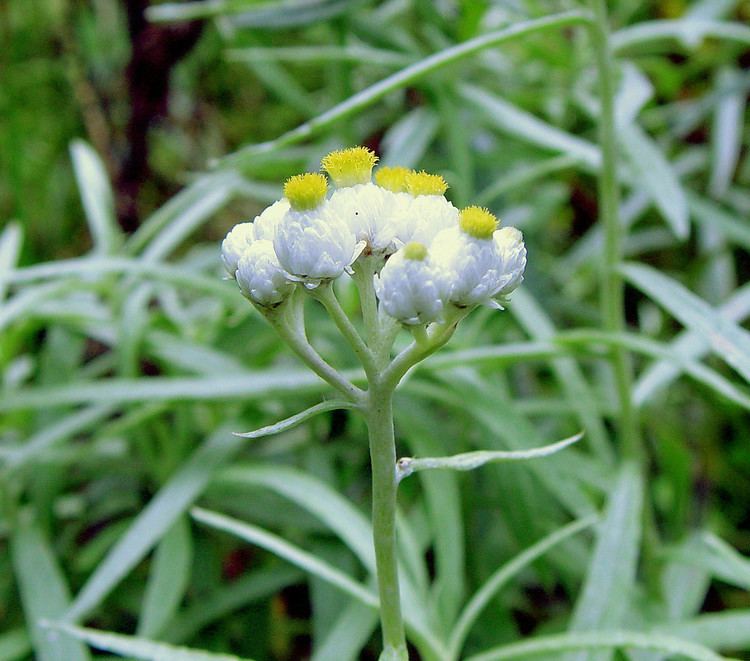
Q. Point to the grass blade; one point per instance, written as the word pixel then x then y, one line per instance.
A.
pixel 44 594
pixel 96 195
pixel 174 498
pixel 505 573
pixel 607 589
pixel 136 647
pixel 730 342
pixel 596 640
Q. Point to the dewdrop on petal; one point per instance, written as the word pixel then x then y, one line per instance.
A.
pixel 472 270
pixel 311 243
pixel 407 286
pixel 234 245
pixel 509 244
pixel 260 276
pixel 429 212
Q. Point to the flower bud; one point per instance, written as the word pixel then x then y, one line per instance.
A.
pixel 234 245
pixel 260 276
pixel 408 287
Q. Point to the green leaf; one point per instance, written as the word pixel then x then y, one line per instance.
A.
pixel 402 79
pixel 168 579
pixel 96 194
pixel 555 645
pixel 730 342
pixel 136 647
pixel 349 635
pixel 470 460
pixel 608 586
pixel 10 250
pixel 689 344
pixel 712 215
pixel 655 175
pixel 714 555
pixel 291 553
pixel 505 573
pixel 406 141
pixel 690 32
pixel 14 644
pixel 728 630
pixel 297 419
pixel 726 132
pixel 174 498
pixel 44 593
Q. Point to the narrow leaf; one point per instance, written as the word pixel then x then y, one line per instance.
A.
pixel 168 579
pixel 656 176
pixel 174 498
pixel 44 593
pixel 471 460
pixel 96 194
pixel 136 647
pixel 297 419
pixel 730 342
pixel 555 645
pixel 609 580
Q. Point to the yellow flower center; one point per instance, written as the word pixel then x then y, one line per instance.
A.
pixel 348 167
pixel 477 222
pixel 305 191
pixel 415 251
pixel 392 179
pixel 424 183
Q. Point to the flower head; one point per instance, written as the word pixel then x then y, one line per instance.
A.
pixel 260 276
pixel 424 183
pixel 473 267
pixel 510 246
pixel 408 286
pixel 266 223
pixel 348 167
pixel 234 245
pixel 305 191
pixel 392 178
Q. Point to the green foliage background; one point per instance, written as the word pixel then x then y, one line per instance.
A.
pixel 126 360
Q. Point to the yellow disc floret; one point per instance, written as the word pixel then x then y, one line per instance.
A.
pixel 305 191
pixel 348 167
pixel 392 178
pixel 424 183
pixel 477 222
pixel 415 251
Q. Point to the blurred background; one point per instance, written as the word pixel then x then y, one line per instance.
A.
pixel 126 133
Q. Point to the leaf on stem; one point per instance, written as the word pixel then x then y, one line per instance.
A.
pixel 297 419
pixel 135 647
pixel 470 460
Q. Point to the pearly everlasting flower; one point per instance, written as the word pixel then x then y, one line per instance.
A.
pixel 311 243
pixel 234 245
pixel 266 223
pixel 408 286
pixel 428 212
pixel 473 270
pixel 349 167
pixel 260 276
pixel 509 244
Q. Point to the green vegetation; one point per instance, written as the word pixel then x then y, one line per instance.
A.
pixel 132 521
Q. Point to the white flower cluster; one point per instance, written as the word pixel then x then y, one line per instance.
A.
pixel 428 255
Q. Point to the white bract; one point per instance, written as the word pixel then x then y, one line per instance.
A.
pixel 266 223
pixel 234 245
pixel 260 276
pixel 509 244
pixel 408 286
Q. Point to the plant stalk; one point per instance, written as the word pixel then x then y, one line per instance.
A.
pixel 383 459
pixel 612 291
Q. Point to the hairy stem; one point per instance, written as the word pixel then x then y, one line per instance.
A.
pixel 383 459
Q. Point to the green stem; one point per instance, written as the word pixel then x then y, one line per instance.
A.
pixel 612 291
pixel 383 458
pixel 286 321
pixel 327 297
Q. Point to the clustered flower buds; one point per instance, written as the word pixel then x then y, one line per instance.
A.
pixel 429 258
